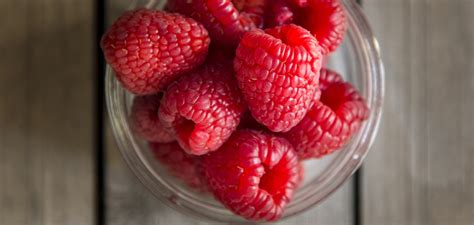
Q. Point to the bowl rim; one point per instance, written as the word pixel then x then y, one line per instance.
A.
pixel 180 202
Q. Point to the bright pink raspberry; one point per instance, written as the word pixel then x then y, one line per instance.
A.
pixel 145 120
pixel 148 49
pixel 325 19
pixel 203 108
pixel 253 174
pixel 225 20
pixel 178 163
pixel 278 72
pixel 331 121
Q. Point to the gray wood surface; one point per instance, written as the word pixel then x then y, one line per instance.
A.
pixel 128 202
pixel 46 111
pixel 420 170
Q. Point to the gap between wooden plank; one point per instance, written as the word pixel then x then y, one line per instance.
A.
pixel 100 162
pixel 357 184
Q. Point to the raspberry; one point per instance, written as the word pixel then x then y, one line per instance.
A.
pixel 178 163
pixel 145 120
pixel 253 9
pixel 344 99
pixel 280 13
pixel 253 174
pixel 300 3
pixel 325 19
pixel 277 71
pixel 220 54
pixel 148 49
pixel 331 121
pixel 248 122
pixel 203 108
pixel 225 20
pixel 327 77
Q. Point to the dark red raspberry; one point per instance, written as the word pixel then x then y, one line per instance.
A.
pixel 248 122
pixel 148 49
pixel 331 121
pixel 279 13
pixel 145 120
pixel 325 19
pixel 178 163
pixel 300 3
pixel 225 20
pixel 253 174
pixel 278 72
pixel 203 108
pixel 253 9
pixel 220 54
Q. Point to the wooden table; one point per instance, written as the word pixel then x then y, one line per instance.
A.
pixel 59 164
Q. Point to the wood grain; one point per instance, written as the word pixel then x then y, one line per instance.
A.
pixel 128 202
pixel 46 112
pixel 420 170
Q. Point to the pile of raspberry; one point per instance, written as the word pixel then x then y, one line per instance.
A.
pixel 232 95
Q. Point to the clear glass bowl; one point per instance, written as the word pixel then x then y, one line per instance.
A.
pixel 358 59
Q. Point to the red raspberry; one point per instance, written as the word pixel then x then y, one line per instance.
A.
pixel 203 108
pixel 145 120
pixel 148 49
pixel 346 101
pixel 226 20
pixel 331 121
pixel 253 174
pixel 178 163
pixel 327 77
pixel 278 73
pixel 325 19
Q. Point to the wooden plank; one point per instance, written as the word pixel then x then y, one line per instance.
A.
pixel 128 202
pixel 420 170
pixel 46 112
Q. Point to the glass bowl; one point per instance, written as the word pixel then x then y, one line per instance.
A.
pixel 358 60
